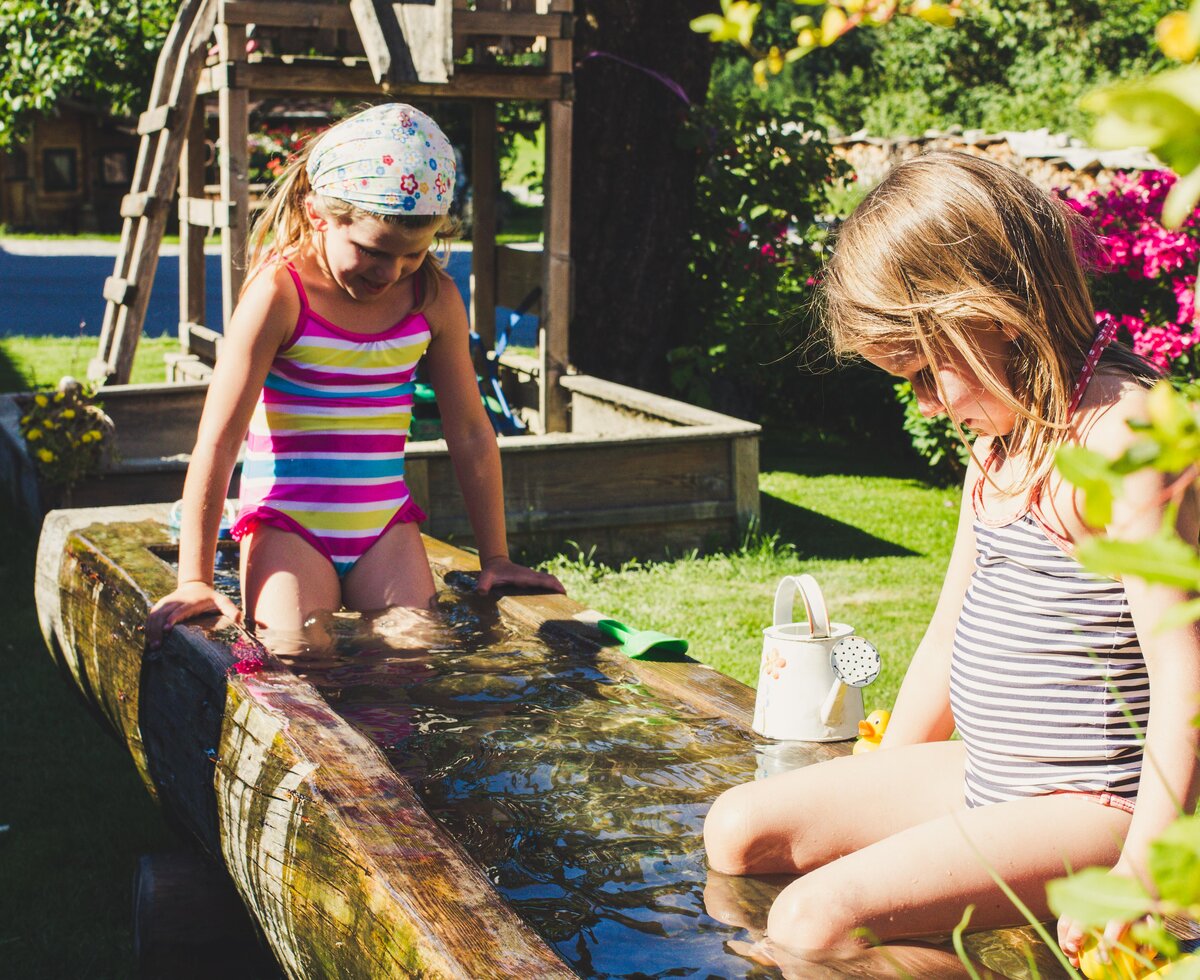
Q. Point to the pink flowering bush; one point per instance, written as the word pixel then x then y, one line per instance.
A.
pixel 1145 274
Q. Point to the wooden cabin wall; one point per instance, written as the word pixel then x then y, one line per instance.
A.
pixel 68 177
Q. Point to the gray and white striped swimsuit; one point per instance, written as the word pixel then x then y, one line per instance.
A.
pixel 1048 685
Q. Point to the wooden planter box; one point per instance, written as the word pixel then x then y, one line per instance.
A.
pixel 331 851
pixel 638 474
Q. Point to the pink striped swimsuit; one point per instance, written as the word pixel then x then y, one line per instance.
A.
pixel 325 448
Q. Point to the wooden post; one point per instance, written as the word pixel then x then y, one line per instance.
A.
pixel 556 305
pixel 235 161
pixel 484 180
pixel 191 237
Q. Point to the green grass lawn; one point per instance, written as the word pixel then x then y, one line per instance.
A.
pixel 876 539
pixel 874 535
pixel 32 362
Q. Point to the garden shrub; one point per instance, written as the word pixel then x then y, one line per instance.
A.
pixel 1145 273
pixel 1007 64
pixel 757 244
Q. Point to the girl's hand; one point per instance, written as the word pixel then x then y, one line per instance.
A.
pixel 188 600
pixel 501 571
pixel 1074 940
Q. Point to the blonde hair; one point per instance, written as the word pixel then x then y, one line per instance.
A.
pixel 282 227
pixel 950 244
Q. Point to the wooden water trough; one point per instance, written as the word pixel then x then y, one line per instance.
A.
pixel 330 848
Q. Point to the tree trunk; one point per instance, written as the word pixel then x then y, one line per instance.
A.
pixel 633 182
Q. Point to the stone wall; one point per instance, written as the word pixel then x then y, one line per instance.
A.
pixel 1049 159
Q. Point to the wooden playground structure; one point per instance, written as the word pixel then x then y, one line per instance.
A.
pixel 614 470
pixel 395 51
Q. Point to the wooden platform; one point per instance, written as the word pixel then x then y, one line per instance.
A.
pixel 331 851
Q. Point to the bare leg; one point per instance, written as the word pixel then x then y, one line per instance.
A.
pixel 800 820
pixel 919 881
pixel 285 579
pixel 393 572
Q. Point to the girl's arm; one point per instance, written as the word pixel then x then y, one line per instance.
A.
pixel 472 444
pixel 261 322
pixel 922 711
pixel 1170 772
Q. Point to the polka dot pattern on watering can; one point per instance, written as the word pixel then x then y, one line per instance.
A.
pixel 855 661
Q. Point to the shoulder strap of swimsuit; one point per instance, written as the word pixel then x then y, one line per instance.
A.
pixel 299 286
pixel 1104 337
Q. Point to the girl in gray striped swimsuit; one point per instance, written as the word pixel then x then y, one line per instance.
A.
pixel 961 276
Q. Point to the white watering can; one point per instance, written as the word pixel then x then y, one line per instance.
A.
pixel 811 675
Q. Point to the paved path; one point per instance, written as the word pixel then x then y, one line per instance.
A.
pixel 50 287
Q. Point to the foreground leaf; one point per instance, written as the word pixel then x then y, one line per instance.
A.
pixel 1093 898
pixel 1174 862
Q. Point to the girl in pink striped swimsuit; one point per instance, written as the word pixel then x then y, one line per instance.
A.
pixel 316 376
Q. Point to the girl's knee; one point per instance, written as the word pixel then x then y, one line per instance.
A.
pixel 811 914
pixel 728 833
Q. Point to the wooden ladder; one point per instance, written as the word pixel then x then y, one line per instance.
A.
pixel 162 129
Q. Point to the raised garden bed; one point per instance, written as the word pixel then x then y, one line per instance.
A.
pixel 638 474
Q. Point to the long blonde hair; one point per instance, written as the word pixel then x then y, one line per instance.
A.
pixel 950 244
pixel 282 227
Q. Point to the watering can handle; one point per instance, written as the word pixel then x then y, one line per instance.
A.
pixel 810 595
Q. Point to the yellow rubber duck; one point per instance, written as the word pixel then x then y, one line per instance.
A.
pixel 871 730
pixel 1122 965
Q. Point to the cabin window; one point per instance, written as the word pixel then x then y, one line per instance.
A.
pixel 60 170
pixel 116 168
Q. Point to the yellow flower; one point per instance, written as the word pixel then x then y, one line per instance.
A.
pixel 1176 36
pixel 33 435
pixel 45 455
pixel 26 419
pixel 41 401
pixel 49 424
pixel 68 413
pixel 59 396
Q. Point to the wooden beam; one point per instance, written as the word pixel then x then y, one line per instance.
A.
pixel 474 22
pixel 263 13
pixel 203 341
pixel 556 306
pixel 119 291
pixel 156 120
pixel 203 212
pixel 192 271
pixel 235 164
pixel 333 77
pixel 485 179
pixel 384 42
pixel 138 205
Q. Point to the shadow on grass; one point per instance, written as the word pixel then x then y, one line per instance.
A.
pixel 11 376
pixel 77 816
pixel 797 452
pixel 818 536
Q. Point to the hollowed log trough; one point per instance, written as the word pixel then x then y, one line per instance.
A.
pixel 333 854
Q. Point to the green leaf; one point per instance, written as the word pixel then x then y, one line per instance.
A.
pixel 1174 862
pixel 1187 968
pixel 1162 558
pixel 1093 898
pixel 1095 478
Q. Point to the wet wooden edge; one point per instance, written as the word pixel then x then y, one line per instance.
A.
pixel 330 849
pixel 1018 953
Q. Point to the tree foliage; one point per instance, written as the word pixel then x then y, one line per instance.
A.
pixel 98 52
pixel 1006 64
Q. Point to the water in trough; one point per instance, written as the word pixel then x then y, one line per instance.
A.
pixel 582 797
